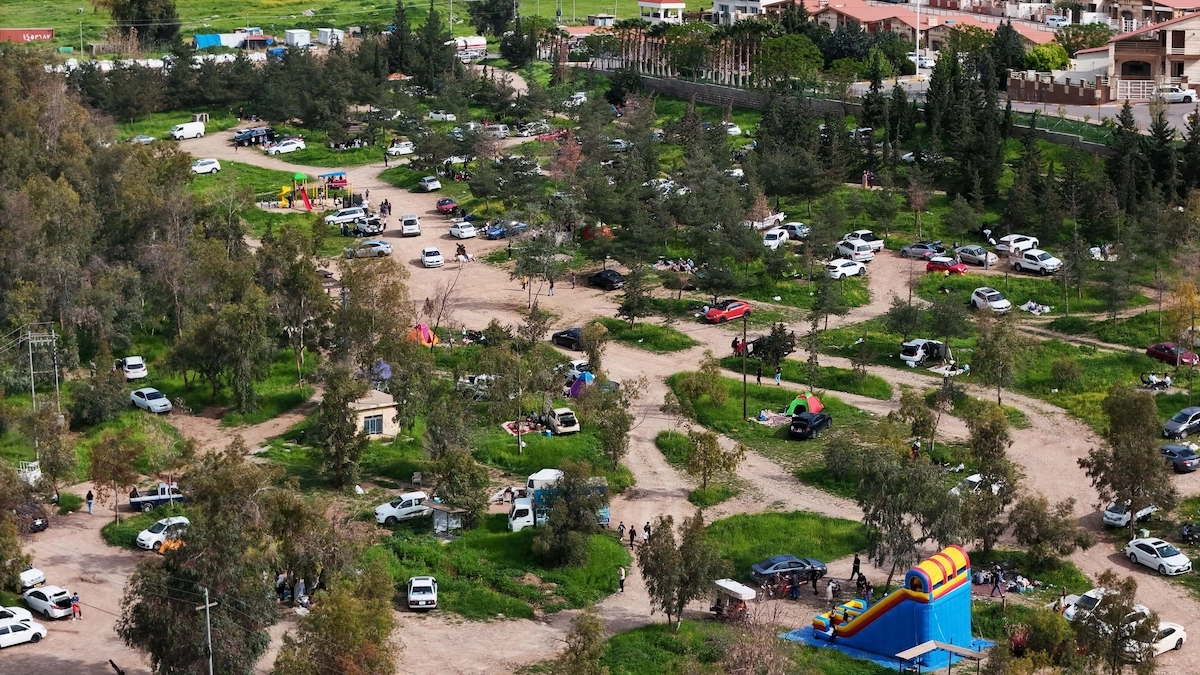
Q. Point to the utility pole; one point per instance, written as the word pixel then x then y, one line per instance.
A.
pixel 208 627
pixel 81 38
pixel 744 366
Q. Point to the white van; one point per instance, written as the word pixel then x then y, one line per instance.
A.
pixel 496 130
pixel 187 130
pixel 405 507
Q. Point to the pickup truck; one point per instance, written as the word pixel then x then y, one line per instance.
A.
pixel 532 511
pixel 146 500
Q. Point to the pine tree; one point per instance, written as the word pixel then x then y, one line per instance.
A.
pixel 400 44
pixel 1189 154
pixel 875 103
pixel 1007 52
pixel 435 58
pixel 1162 157
pixel 1127 166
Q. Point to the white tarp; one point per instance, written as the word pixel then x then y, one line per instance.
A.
pixel 735 589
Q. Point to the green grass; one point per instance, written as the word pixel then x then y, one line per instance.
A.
pixel 159 124
pixel 69 502
pixel 162 441
pixel 124 534
pixel 674 447
pixel 317 152
pixel 829 377
pixel 1138 331
pixel 480 573
pixel 332 246
pixel 9 599
pixel 698 646
pixel 746 539
pixel 1056 575
pixel 496 447
pixel 992 620
pixel 265 183
pixel 406 178
pixel 649 336
pixel 385 462
pixel 1017 288
pixel 800 292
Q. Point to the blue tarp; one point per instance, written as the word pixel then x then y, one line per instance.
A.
pixel 206 41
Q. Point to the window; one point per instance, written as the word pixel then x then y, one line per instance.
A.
pixel 373 424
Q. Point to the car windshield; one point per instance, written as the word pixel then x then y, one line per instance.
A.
pixel 1167 551
pixel 1118 508
pixel 1181 417
pixel 157 527
pixel 154 395
pixel 422 590
pixel 994 297
pixel 1087 602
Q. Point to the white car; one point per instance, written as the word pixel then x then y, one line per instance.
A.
pixel 1088 602
pixel 422 593
pixel 1036 260
pixel 347 215
pixel 916 352
pixel 14 614
pixel 1175 94
pixel 578 367
pixel 410 225
pixel 1016 243
pixel 1169 636
pixel 153 537
pixel 1158 554
pixel 206 166
pixel 431 257
pixel 442 116
pixel 405 507
pixel 796 230
pixel 134 368
pixel 371 248
pixel 285 146
pixel 990 298
pixel 774 238
pixel 18 632
pixel 732 129
pixel 842 268
pixel 866 236
pixel 619 145
pixel 32 577
pixel 973 483
pixel 51 602
pixel 462 230
pixel 429 184
pixel 1056 21
pixel 859 251
pixel 577 99
pixel 1117 515
pixel 401 148
pixel 562 421
pixel 149 398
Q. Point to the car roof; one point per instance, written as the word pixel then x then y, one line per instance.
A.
pixel 413 495
pixel 941 259
pixel 776 559
pixel 424 578
pixel 986 289
pixel 1152 541
pixel 373 242
pixel 146 390
pixel 171 520
pixel 431 249
pixel 134 359
pixel 1191 411
pixel 48 589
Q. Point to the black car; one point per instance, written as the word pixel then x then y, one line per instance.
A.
pixel 1181 457
pixel 31 518
pixel 770 569
pixel 609 280
pixel 571 338
pixel 807 425
pixel 255 136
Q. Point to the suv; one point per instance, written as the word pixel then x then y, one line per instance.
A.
pixel 990 298
pixel 1036 260
pixel 774 238
pixel 1175 94
pixel 562 421
pixel 1013 244
pixel 346 215
pixel 405 507
pixel 255 136
pixel 410 225
pixel 371 226
pixel 867 237
pixel 856 250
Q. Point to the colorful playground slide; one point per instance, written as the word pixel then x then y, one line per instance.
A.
pixel 933 604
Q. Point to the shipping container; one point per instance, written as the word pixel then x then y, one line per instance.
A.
pixel 26 34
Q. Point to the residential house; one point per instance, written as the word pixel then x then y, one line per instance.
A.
pixel 601 20
pixel 661 11
pixel 1158 54
pixel 728 12
pixel 376 412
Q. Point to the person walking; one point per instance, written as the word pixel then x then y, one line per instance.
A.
pixel 76 608
pixel 758 375
pixel 778 375
pixel 734 346
pixel 870 592
pixel 646 531
pixel 621 577
pixel 795 586
pixel 89 498
pixel 815 577
pixel 621 531
pixel 510 249
pixel 551 287
pixel 633 536
pixel 854 569
pixel 572 280
pixel 385 160
pixel 997 580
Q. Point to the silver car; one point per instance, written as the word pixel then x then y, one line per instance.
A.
pixel 976 255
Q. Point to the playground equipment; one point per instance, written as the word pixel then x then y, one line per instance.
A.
pixel 934 605
pixel 298 189
pixel 805 402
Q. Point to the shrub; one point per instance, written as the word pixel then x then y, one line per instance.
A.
pixel 1066 373
pixel 69 502
pixel 98 399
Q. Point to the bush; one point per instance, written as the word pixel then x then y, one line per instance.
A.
pixel 69 502
pixel 98 399
pixel 1066 373
pixel 674 446
pixel 711 496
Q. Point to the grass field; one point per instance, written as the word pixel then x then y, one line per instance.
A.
pixel 480 574
pixel 830 377
pixel 674 447
pixel 317 153
pixel 800 292
pixel 496 447
pixel 746 539
pixel 388 463
pixel 649 336
pixel 124 534
pixel 332 246
pixel 158 124
pixel 260 181
pixel 1138 331
pixel 1017 288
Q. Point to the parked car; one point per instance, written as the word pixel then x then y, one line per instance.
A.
pixel 609 280
pixel 407 506
pixel 51 602
pixel 346 215
pixel 571 338
pixel 133 367
pixel 1087 602
pixel 399 148
pixel 187 130
pixel 573 369
pixel 1159 555
pixel 1172 353
pixel 429 184
pixel 1016 243
pixel 1175 94
pixel 422 593
pixel 940 263
pixel 866 236
pixel 446 205
pixel 31 519
pixel 796 230
pixel 370 226
pixel 732 129
pixel 15 614
pixel 532 129
pixel 555 135
pixel 153 537
pixel 808 425
pixel 976 255
pixel 1183 423
pixel 14 632
pixel 727 310
pixel 923 250
pixel 853 249
pixel 990 298
pixel 504 229
pixel 842 268
pixel 442 116
pixel 207 165
pixel 916 352
pixel 974 483
pixel 774 238
pixel 370 248
pixel 768 570
pixel 475 386
pixel 576 99
pixel 1055 21
pixel 142 139
pixel 1117 514
pixel 285 146
pixel 32 577
pixel 410 225
pixel 561 421
pixel 255 136
pixel 1169 636
pixel 149 398
pixel 431 257
pixel 462 230
pixel 619 145
pixel 1182 458
pixel 1036 260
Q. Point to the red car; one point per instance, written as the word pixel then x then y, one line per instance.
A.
pixel 1169 352
pixel 944 264
pixel 726 310
pixel 446 205
pixel 555 135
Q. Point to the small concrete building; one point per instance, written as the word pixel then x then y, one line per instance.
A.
pixel 601 20
pixel 377 414
pixel 661 11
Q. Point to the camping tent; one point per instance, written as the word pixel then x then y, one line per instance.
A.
pixel 422 335
pixel 580 382
pixel 805 402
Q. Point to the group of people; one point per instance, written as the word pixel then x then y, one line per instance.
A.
pixel 633 533
pixel 1153 380
pixel 681 265
pixel 868 179
pixel 385 208
pixel 353 144
pixel 283 591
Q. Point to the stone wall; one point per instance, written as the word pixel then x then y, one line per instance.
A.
pixel 1042 88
